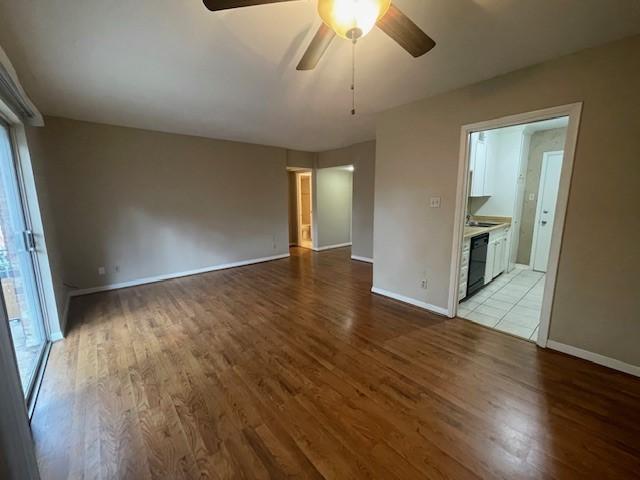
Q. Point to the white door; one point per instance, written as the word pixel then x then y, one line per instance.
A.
pixel 547 197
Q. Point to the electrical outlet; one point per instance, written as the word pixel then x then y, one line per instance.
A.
pixel 424 283
pixel 101 271
pixel 435 202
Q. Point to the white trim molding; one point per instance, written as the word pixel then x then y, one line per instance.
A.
pixel 59 334
pixel 595 358
pixel 361 259
pixel 169 276
pixel 331 247
pixel 411 301
pixel 56 337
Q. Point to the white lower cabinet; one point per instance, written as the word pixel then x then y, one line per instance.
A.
pixel 491 255
pixel 497 254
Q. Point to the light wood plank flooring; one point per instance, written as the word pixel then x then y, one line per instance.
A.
pixel 294 369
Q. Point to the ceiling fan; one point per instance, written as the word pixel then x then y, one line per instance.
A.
pixel 351 20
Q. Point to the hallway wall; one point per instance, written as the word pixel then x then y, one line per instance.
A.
pixel 362 157
pixel 333 206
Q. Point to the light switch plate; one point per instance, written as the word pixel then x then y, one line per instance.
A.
pixel 435 202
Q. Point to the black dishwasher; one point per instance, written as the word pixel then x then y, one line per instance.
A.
pixel 477 263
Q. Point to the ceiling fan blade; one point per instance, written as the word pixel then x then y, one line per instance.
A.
pixel 408 35
pixel 317 47
pixel 215 5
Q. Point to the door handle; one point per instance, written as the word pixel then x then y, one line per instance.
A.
pixel 29 241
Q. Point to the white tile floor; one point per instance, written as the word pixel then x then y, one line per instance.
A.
pixel 510 303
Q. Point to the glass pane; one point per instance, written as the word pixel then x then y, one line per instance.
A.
pixel 16 271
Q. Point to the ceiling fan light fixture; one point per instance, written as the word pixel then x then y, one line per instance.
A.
pixel 352 19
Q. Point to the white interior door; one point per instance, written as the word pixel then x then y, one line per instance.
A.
pixel 547 198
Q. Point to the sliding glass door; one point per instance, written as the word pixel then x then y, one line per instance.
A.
pixel 17 273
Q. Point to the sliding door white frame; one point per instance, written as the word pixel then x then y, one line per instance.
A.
pixel 15 434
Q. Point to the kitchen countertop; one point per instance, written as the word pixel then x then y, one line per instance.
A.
pixel 475 231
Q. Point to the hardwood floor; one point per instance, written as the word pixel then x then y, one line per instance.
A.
pixel 294 369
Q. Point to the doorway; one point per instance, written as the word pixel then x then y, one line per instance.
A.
pixel 20 291
pixel 301 222
pixel 305 210
pixel 513 188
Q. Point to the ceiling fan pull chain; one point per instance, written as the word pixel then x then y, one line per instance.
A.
pixel 353 76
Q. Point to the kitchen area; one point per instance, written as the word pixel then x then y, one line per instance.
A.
pixel 504 253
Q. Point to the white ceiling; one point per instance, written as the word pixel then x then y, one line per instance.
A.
pixel 173 66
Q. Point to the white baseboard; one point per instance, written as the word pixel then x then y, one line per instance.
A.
pixel 361 259
pixel 331 247
pixel 169 276
pixel 56 336
pixel 64 320
pixel 595 358
pixel 59 334
pixel 411 301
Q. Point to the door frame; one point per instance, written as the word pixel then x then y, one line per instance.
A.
pixel 574 112
pixel 536 230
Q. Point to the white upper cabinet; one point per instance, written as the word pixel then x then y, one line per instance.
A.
pixel 480 166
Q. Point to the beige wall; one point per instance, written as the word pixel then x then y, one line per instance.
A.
pixel 541 142
pixel 299 159
pixel 332 212
pixel 596 305
pixel 144 203
pixel 362 157
pixel 47 231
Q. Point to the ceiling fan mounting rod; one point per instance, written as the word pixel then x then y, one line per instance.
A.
pixel 354 40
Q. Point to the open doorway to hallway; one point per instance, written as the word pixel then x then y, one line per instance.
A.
pixel 514 176
pixel 321 207
pixel 301 230
pixel 305 210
